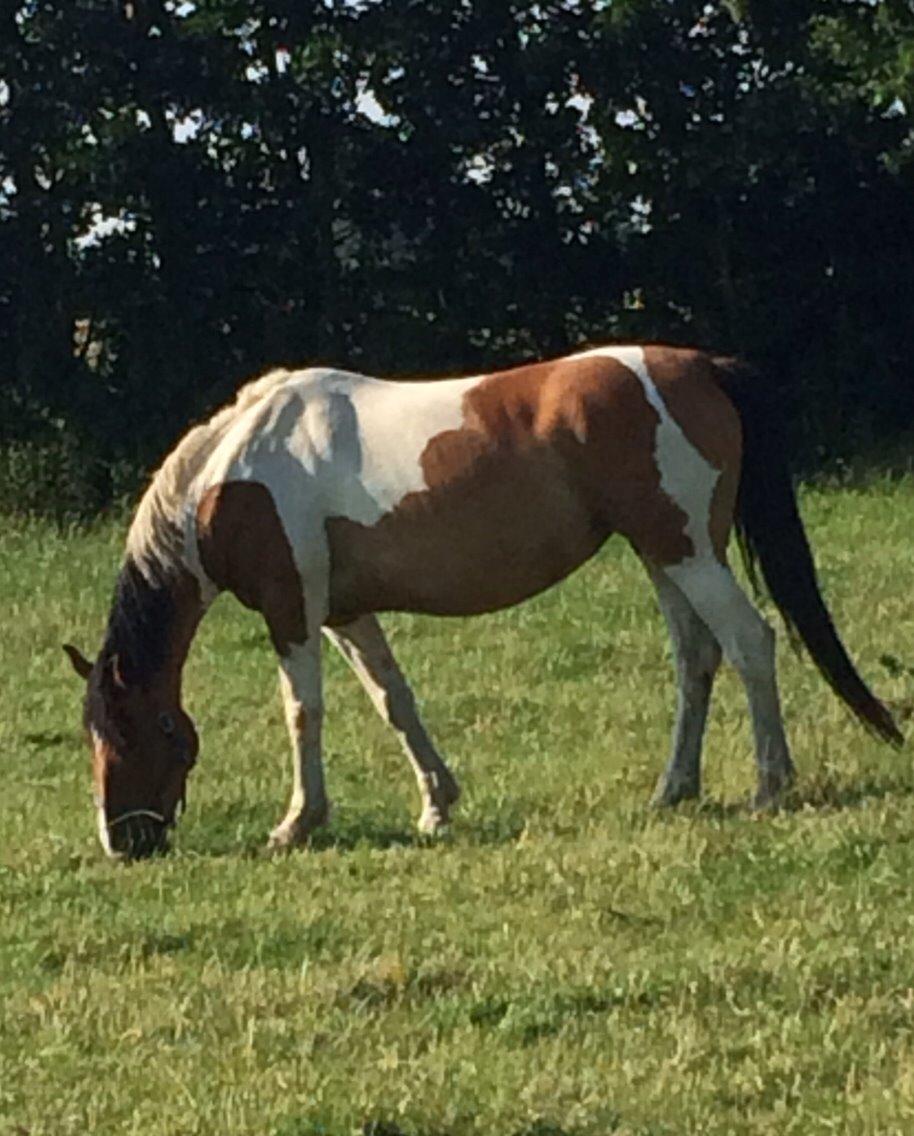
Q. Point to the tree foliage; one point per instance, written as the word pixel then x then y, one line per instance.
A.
pixel 191 191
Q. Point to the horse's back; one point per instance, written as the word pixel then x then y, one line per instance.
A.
pixel 548 460
pixel 465 495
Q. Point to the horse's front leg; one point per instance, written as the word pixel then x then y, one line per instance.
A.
pixel 300 682
pixel 364 646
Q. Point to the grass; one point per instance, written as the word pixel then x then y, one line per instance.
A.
pixel 565 963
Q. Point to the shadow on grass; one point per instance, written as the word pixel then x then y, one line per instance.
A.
pixel 708 808
pixel 818 794
pixel 295 1127
pixel 242 829
pixel 112 952
pixel 50 738
pixel 832 793
pixel 375 833
pixel 537 1128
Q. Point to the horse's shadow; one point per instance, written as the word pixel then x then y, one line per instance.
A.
pixel 241 829
pixel 294 1127
pixel 537 1128
pixel 829 793
pixel 375 834
pixel 822 794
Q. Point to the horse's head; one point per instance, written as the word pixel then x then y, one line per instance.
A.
pixel 143 747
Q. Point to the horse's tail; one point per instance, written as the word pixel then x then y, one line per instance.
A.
pixel 772 538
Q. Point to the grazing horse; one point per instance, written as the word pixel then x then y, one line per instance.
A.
pixel 321 497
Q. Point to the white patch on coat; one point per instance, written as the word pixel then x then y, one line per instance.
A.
pixel 397 421
pixel 686 477
pixel 330 444
pixel 101 818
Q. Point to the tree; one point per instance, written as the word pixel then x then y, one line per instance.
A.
pixel 194 191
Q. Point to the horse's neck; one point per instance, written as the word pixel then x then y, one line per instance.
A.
pixel 153 620
pixel 189 610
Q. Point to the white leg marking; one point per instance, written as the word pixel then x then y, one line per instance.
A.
pixel 300 682
pixel 697 657
pixel 748 643
pixel 364 646
pixel 103 834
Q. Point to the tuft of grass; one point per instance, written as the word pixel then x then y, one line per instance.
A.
pixel 564 963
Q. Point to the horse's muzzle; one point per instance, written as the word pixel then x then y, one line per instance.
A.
pixel 137 836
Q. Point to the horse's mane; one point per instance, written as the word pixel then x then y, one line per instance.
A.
pixel 154 539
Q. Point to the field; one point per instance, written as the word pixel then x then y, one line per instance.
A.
pixel 564 962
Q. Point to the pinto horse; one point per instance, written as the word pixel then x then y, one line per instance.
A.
pixel 321 497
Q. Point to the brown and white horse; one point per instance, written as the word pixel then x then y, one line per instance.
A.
pixel 320 497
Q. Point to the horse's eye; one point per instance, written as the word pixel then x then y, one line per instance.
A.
pixel 167 724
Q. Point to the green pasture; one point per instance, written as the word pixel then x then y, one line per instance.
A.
pixel 564 962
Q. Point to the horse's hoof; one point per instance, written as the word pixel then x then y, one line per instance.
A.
pixel 285 839
pixel 671 793
pixel 433 821
pixel 296 832
pixel 772 792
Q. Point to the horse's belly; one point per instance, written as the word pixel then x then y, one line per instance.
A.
pixel 462 550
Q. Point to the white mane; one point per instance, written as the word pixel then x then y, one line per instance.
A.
pixel 155 535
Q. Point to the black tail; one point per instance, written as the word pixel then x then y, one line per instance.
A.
pixel 771 537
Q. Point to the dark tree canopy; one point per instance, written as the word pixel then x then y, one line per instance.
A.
pixel 192 191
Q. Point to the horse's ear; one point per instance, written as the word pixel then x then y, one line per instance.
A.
pixel 81 664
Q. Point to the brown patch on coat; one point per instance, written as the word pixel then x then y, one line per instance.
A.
pixel 686 383
pixel 552 458
pixel 244 550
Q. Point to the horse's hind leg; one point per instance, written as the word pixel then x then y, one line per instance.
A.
pixel 697 657
pixel 364 646
pixel 748 643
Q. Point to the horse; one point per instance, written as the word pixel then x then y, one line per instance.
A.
pixel 321 497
